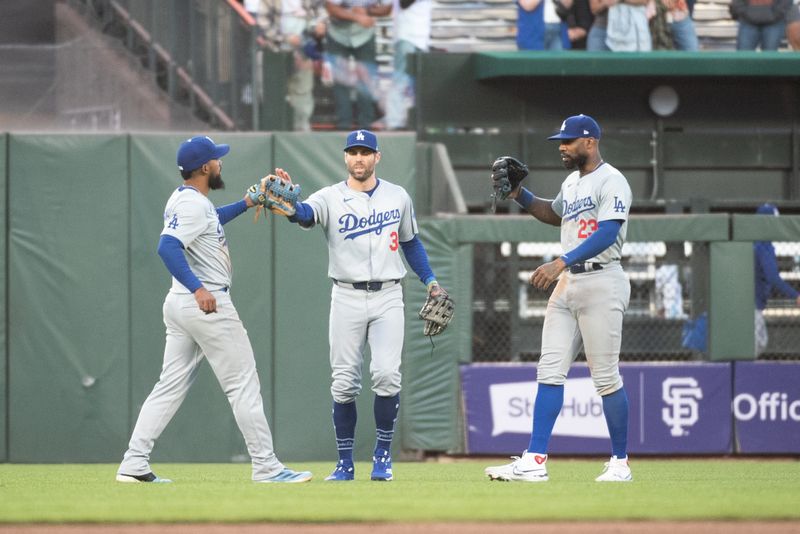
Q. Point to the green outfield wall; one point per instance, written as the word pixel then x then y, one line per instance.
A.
pixel 83 287
pixel 3 301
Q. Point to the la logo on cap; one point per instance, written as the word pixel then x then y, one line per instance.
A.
pixel 563 126
pixel 360 136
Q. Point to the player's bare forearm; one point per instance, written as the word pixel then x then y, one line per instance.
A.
pixel 544 275
pixel 542 209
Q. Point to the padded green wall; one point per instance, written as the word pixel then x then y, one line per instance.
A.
pixel 731 333
pixel 3 316
pixel 68 289
pixel 87 289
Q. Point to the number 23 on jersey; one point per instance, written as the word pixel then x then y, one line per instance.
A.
pixel 586 227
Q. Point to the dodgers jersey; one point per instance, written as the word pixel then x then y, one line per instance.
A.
pixel 191 218
pixel 364 232
pixel 585 201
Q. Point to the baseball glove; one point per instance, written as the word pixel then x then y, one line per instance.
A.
pixel 437 312
pixel 507 173
pixel 275 194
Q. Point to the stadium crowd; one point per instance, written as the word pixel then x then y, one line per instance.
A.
pixel 333 42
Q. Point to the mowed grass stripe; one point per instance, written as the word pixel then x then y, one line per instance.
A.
pixel 739 489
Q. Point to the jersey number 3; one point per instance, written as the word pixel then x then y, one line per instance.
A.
pixel 393 241
pixel 586 228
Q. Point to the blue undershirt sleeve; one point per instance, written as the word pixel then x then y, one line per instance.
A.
pixel 171 251
pixel 596 243
pixel 231 211
pixel 417 258
pixel 304 216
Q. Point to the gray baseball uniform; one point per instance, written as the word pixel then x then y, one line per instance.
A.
pixel 586 309
pixel 364 234
pixel 192 334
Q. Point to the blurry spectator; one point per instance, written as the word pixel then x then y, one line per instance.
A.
pixel 672 26
pixel 578 17
pixel 619 26
pixel 411 33
pixel 761 23
pixel 298 26
pixel 669 292
pixel 768 278
pixel 793 26
pixel 539 27
pixel 351 34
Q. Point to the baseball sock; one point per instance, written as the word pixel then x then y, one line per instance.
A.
pixel 549 399
pixel 344 426
pixel 615 408
pixel 386 409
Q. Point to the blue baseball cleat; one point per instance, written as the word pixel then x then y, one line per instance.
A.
pixel 147 477
pixel 382 466
pixel 288 476
pixel 342 472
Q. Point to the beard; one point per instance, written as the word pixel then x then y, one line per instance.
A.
pixel 361 175
pixel 215 182
pixel 578 162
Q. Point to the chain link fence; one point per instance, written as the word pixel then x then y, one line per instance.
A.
pixel 667 307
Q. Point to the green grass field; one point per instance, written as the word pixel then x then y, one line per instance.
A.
pixel 426 491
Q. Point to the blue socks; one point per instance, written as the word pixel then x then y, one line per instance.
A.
pixel 386 409
pixel 549 400
pixel 344 426
pixel 547 406
pixel 615 408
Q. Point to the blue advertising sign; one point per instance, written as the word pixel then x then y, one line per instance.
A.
pixel 675 408
pixel 679 408
pixel 766 407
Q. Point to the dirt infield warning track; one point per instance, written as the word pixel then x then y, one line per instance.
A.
pixel 628 527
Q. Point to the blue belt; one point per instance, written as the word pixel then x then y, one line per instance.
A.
pixel 585 267
pixel 367 286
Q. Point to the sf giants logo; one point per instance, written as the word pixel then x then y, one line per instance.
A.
pixel 681 394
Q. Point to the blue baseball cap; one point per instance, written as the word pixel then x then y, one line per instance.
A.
pixel 768 209
pixel 194 152
pixel 578 126
pixel 363 138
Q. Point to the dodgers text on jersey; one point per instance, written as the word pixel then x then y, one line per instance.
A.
pixel 354 226
pixel 578 206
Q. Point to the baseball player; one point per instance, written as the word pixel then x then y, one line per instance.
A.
pixel 202 322
pixel 367 221
pixel 589 301
pixel 767 278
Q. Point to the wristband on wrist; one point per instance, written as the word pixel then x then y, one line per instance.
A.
pixel 525 198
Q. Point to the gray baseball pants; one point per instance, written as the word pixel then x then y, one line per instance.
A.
pixel 221 338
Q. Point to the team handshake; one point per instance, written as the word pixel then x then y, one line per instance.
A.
pixel 275 193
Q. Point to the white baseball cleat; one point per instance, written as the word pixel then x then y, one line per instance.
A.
pixel 530 467
pixel 147 477
pixel 616 470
